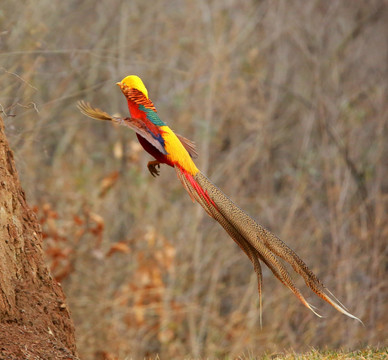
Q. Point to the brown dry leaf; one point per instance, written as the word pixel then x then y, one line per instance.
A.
pixel 104 355
pixel 98 219
pixel 98 229
pixel 120 246
pixel 78 235
pixel 78 220
pixel 52 214
pixel 66 271
pixel 56 252
pixel 48 212
pixel 108 182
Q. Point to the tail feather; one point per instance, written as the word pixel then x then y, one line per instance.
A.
pixel 256 242
pixel 201 197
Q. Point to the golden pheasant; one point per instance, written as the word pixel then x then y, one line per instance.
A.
pixel 174 150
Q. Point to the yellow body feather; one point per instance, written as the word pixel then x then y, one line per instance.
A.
pixel 176 153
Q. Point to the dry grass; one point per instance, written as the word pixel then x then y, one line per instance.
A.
pixel 287 102
pixel 364 354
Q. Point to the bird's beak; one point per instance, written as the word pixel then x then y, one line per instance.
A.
pixel 118 83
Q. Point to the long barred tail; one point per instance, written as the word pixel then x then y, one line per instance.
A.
pixel 257 242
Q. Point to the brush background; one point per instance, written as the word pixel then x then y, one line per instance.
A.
pixel 287 102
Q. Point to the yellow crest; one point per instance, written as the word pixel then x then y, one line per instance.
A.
pixel 133 82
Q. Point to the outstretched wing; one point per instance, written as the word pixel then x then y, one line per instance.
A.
pixel 135 124
pixel 94 113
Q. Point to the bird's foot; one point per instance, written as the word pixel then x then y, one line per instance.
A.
pixel 153 167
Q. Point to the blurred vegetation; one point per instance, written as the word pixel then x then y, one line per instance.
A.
pixel 364 354
pixel 287 102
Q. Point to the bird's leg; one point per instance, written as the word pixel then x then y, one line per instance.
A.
pixel 153 167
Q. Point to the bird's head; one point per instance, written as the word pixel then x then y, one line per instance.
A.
pixel 132 82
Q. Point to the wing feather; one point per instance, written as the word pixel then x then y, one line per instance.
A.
pixel 188 145
pixel 135 124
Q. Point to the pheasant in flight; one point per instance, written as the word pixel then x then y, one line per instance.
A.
pixel 169 148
